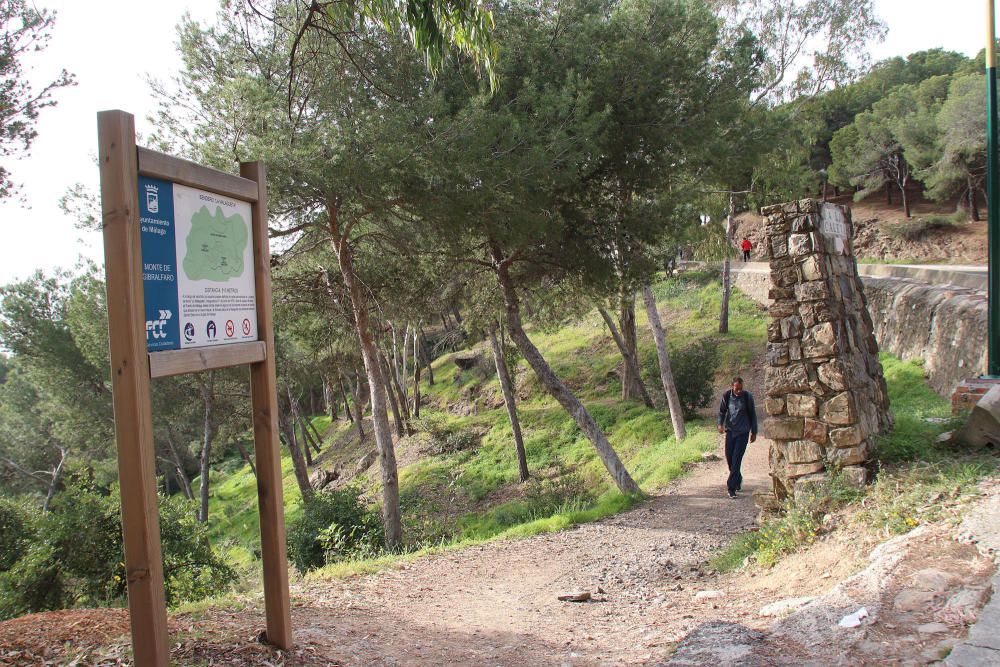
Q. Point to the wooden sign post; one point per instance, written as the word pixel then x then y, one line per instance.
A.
pixel 145 345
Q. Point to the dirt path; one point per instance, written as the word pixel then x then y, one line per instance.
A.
pixel 497 603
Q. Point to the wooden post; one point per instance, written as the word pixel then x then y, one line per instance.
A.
pixel 130 383
pixel 264 395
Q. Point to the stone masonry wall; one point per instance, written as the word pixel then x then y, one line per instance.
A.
pixel 826 396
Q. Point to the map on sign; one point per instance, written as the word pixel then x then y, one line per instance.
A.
pixel 198 274
pixel 216 245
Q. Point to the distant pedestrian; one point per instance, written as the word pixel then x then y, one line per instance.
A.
pixel 746 247
pixel 738 420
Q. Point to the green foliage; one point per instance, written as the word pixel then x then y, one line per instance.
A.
pixel 334 525
pixel 920 414
pixel 76 557
pixel 447 436
pixel 694 367
pixel 23 29
pixel 15 532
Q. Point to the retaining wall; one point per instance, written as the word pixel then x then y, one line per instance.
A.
pixel 943 325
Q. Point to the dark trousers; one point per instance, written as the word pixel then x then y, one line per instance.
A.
pixel 746 255
pixel 736 447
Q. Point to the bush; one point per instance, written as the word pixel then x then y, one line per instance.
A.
pixel 694 368
pixel 915 229
pixel 334 525
pixel 76 557
pixel 15 532
pixel 446 436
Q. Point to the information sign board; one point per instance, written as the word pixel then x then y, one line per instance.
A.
pixel 197 261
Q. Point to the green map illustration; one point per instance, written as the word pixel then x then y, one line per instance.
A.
pixel 215 246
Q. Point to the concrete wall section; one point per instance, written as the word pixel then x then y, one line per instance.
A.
pixel 942 325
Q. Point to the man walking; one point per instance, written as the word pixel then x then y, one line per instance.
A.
pixel 746 247
pixel 738 420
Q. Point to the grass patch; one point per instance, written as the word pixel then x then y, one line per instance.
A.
pixel 917 228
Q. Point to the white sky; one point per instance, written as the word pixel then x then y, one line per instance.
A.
pixel 111 45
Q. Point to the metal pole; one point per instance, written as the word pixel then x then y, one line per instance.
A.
pixel 992 196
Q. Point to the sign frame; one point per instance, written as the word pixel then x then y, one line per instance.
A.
pixel 133 367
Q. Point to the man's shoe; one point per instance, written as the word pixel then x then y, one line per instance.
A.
pixel 739 488
pixel 732 495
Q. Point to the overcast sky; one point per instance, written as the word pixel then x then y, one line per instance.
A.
pixel 112 45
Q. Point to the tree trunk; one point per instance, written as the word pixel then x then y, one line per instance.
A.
pixel 298 461
pixel 555 386
pixel 404 380
pixel 295 419
pixel 179 473
pixel 973 203
pixel 330 399
pixel 383 435
pixel 427 356
pixel 906 200
pixel 632 386
pixel 56 476
pixel 245 455
pixel 726 278
pixel 506 387
pixel 393 403
pixel 400 402
pixel 416 373
pixel 630 361
pixel 666 374
pixel 888 193
pixel 458 315
pixel 356 415
pixel 208 398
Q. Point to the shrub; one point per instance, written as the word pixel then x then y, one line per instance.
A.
pixel 334 525
pixel 446 436
pixel 915 229
pixel 15 532
pixel 76 556
pixel 694 368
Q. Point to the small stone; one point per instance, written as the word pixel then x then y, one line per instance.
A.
pixel 579 596
pixel 932 628
pixel 911 599
pixel 801 405
pixel 784 607
pixel 708 595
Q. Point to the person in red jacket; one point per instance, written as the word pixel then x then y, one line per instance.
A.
pixel 746 246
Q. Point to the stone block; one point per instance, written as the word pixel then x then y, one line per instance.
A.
pixel 784 277
pixel 815 430
pixel 814 290
pixel 790 208
pixel 791 326
pixel 774 406
pixel 833 374
pixel 802 469
pixel 774 210
pixel 783 308
pixel 803 223
pixel 855 475
pixel 803 451
pixel 774 331
pixel 846 437
pixel 812 268
pixel 983 427
pixel 849 456
pixel 807 205
pixel 783 428
pixel 794 349
pixel 777 354
pixel 819 341
pixel 776 293
pixel 799 245
pixel 786 379
pixel 814 312
pixel 839 409
pixel 802 405
pixel 779 246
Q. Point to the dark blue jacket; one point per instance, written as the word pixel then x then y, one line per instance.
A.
pixel 742 422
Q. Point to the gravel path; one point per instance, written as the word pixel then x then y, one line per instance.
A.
pixel 497 603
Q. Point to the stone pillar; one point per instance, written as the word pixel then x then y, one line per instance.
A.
pixel 826 396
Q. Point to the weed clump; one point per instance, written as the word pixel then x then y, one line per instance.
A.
pixel 334 525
